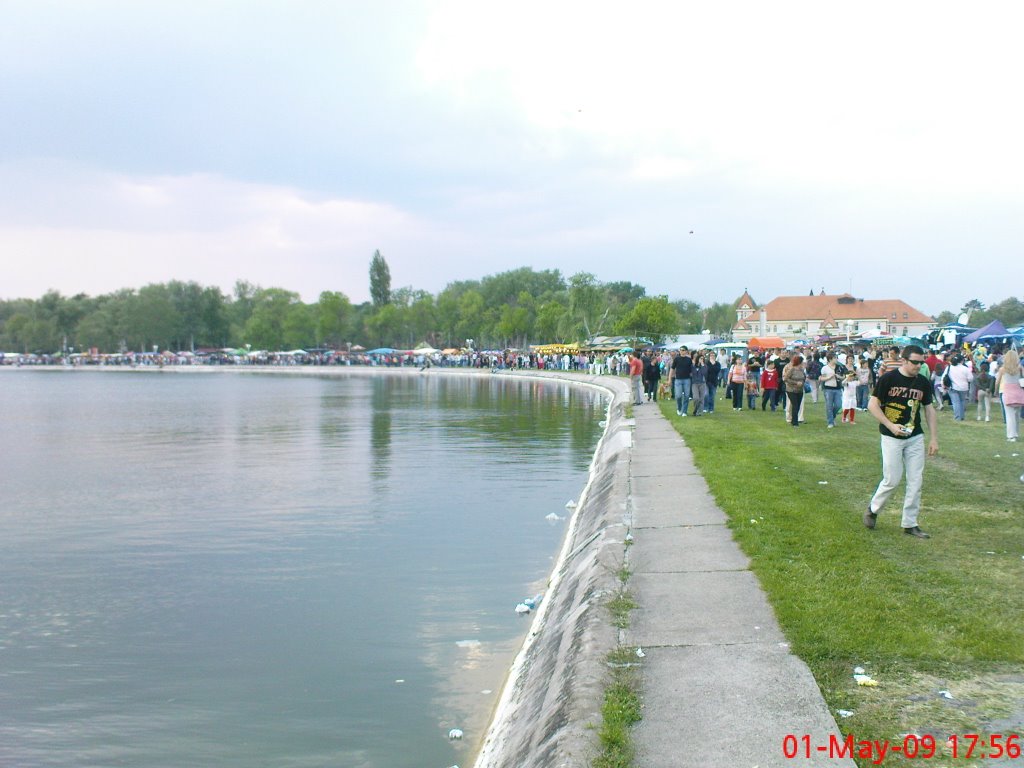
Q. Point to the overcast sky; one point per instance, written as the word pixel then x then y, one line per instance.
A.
pixel 698 149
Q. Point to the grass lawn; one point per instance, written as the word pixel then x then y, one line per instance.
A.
pixel 945 614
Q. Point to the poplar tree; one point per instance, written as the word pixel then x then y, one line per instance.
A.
pixel 380 281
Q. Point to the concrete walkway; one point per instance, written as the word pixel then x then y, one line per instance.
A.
pixel 720 685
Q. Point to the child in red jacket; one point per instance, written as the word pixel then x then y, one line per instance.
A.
pixel 769 385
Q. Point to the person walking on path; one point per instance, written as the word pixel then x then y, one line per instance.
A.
pixel 794 377
pixel 961 377
pixel 636 371
pixel 850 398
pixel 652 376
pixel 832 387
pixel 986 391
pixel 770 385
pixel 1010 393
pixel 863 384
pixel 938 370
pixel 737 381
pixel 896 404
pixel 813 371
pixel 698 383
pixel 681 374
pixel 713 374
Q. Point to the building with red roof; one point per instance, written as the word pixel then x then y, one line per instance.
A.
pixel 837 315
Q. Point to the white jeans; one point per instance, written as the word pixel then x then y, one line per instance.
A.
pixel 899 456
pixel 984 405
pixel 1012 421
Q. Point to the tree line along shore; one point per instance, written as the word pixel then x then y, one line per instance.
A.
pixel 510 310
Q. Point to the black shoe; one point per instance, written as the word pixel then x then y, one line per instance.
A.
pixel 916 531
pixel 870 517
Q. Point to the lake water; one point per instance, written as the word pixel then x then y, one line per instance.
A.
pixel 258 570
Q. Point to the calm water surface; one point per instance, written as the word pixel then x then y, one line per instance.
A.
pixel 229 570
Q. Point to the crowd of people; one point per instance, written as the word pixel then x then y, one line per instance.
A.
pixel 843 378
pixel 896 387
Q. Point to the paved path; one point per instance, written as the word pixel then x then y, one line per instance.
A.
pixel 720 685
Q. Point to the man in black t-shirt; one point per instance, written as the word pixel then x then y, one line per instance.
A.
pixel 682 370
pixel 896 403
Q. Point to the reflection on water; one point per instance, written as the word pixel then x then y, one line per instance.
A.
pixel 239 570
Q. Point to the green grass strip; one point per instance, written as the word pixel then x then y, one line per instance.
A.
pixel 946 614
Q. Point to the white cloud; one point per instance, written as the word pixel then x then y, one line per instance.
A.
pixel 102 231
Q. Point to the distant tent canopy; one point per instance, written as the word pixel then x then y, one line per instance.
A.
pixel 766 342
pixel 994 330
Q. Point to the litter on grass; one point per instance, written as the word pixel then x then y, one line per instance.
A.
pixel 844 713
pixel 866 680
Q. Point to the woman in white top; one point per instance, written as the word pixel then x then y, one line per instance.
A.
pixel 960 376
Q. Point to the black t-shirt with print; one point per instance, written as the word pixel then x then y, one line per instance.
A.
pixel 901 398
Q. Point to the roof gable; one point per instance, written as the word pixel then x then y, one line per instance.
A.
pixel 745 302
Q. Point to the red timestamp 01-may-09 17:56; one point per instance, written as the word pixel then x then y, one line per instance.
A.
pixel 992 746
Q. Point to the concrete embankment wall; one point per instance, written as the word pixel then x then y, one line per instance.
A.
pixel 550 706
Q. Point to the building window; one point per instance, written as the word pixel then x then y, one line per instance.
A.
pixel 893 315
pixel 906 316
pixel 905 331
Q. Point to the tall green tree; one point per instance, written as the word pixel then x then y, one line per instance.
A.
pixel 471 319
pixel 300 326
pixel 385 326
pixel 551 322
pixel 423 319
pixel 188 301
pixel 587 302
pixel 333 313
pixel 651 317
pixel 267 326
pixel 719 318
pixel 691 315
pixel 241 309
pixel 1008 311
pixel 380 281
pixel 215 320
pixel 152 320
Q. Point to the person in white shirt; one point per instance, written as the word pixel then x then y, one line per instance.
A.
pixel 961 377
